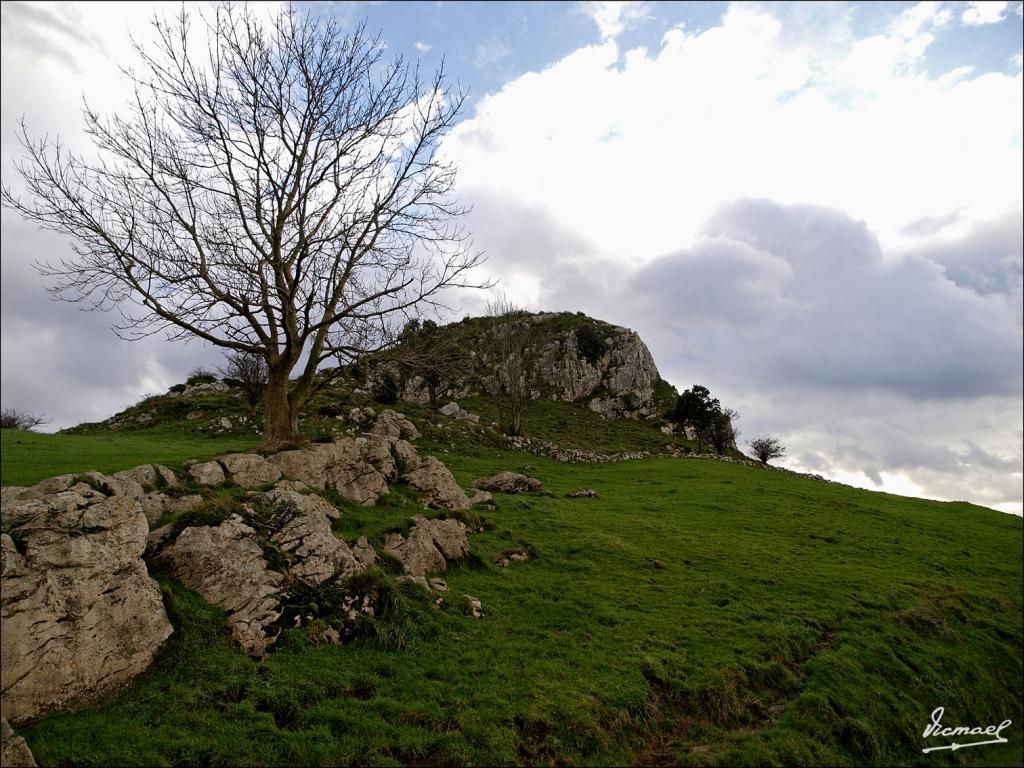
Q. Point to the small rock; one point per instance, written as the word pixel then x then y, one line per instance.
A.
pixel 509 482
pixel 583 493
pixel 476 608
pixel 193 415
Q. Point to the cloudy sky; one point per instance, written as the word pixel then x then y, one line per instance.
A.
pixel 813 209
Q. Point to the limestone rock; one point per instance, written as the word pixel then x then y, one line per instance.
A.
pixel 318 554
pixel 81 616
pixel 249 470
pixel 476 608
pixel 376 451
pixel 158 538
pixel 417 554
pixel 14 752
pixel 339 465
pixel 583 493
pixel 183 504
pixel 406 457
pixel 436 484
pixel 430 542
pixel 153 505
pixel 207 473
pixel 364 553
pixel 453 410
pixel 392 424
pixel 225 565
pixel 509 482
pixel 480 497
pixel 145 475
pixel 114 486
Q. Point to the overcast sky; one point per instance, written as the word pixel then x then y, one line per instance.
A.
pixel 813 209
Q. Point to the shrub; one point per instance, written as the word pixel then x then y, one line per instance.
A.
pixel 23 420
pixel 766 448
pixel 590 343
pixel 200 376
pixel 178 388
pixel 386 392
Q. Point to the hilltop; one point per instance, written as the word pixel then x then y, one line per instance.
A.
pixel 690 611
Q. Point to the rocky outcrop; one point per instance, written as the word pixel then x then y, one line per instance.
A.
pixel 81 616
pixel 570 358
pixel 316 553
pixel 226 566
pixel 429 545
pixel 14 752
pixel 394 425
pixel 509 482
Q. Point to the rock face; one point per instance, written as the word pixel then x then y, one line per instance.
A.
pixel 14 752
pixel 570 359
pixel 81 616
pixel 429 543
pixel 225 565
pixel 509 482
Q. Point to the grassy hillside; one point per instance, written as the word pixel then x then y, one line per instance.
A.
pixel 696 612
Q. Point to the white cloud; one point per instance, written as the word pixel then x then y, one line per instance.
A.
pixel 984 12
pixel 422 47
pixel 638 149
pixel 612 18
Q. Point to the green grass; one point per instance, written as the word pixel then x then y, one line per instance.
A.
pixel 696 612
pixel 28 457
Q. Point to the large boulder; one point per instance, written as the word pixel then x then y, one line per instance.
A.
pixel 249 470
pixel 226 566
pixel 436 485
pixel 81 615
pixel 149 476
pixel 509 482
pixel 308 540
pixel 341 465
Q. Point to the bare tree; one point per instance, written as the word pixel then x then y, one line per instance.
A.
pixel 247 370
pixel 429 354
pixel 504 362
pixel 766 448
pixel 280 194
pixel 11 418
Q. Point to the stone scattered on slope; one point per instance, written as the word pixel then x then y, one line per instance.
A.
pixel 226 566
pixel 480 497
pixel 583 493
pixel 429 545
pixel 81 616
pixel 249 470
pixel 14 752
pixel 509 482
pixel 395 425
pixel 364 553
pixel 455 411
pixel 436 485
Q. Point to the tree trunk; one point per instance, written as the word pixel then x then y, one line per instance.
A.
pixel 281 425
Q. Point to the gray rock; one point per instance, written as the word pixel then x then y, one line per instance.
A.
pixel 509 482
pixel 145 475
pixel 317 553
pixel 436 485
pixel 364 553
pixel 480 497
pixel 225 565
pixel 395 425
pixel 583 493
pixel 14 752
pixel 81 616
pixel 207 473
pixel 249 470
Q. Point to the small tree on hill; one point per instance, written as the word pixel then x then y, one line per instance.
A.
pixel 427 352
pixel 248 371
pixel 722 430
pixel 766 448
pixel 504 367
pixel 277 191
pixel 21 420
pixel 696 409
